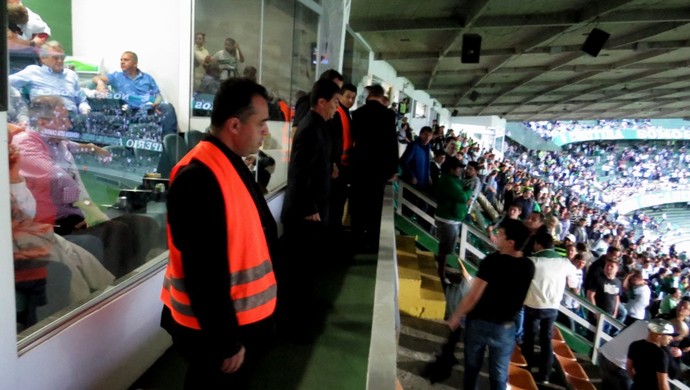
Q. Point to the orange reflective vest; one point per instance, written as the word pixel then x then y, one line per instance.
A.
pixel 252 282
pixel 347 136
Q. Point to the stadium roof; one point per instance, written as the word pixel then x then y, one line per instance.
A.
pixel 531 66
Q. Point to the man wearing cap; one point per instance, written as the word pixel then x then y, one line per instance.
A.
pixel 648 363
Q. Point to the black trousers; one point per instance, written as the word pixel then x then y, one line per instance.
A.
pixel 203 368
pixel 367 204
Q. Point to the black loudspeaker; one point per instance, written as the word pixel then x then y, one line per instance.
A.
pixel 471 46
pixel 595 42
pixel 455 113
pixel 474 95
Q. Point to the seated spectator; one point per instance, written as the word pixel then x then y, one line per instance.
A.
pixel 141 90
pixel 52 79
pixel 35 245
pixel 34 31
pixel 62 200
pixel 210 83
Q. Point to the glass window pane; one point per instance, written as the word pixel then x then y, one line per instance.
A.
pixel 88 166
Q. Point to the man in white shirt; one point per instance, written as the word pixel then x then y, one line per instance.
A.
pixel 543 299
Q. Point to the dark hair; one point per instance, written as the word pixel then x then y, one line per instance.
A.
pixel 473 164
pixel 450 164
pixel 332 75
pixel 516 231
pixel 541 216
pixel 375 90
pixel 234 99
pixel 612 249
pixel 438 153
pixel 581 246
pixel 322 89
pixel 516 205
pixel 425 129
pixel 348 87
pixel 544 239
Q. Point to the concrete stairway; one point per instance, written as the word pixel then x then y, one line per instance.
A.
pixel 420 292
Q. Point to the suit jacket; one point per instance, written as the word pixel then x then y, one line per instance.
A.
pixel 309 171
pixel 375 154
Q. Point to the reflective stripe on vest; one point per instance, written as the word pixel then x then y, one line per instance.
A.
pixel 347 136
pixel 252 282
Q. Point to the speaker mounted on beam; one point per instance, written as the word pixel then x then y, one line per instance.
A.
pixel 595 42
pixel 471 46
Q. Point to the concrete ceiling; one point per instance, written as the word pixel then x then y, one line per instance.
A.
pixel 531 66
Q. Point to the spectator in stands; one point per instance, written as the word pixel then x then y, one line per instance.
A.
pixel 601 245
pixel 141 90
pixel 670 301
pixel 575 286
pixel 229 59
pixel 639 296
pixel 604 291
pixel 648 361
pixel 542 301
pixel 52 79
pixel 490 307
pixel 435 169
pixel 35 32
pixel 62 200
pixel 210 82
pixel 452 209
pixel 596 268
pixel 472 182
pixel 526 201
pixel 415 161
pixel 201 59
pixel 580 230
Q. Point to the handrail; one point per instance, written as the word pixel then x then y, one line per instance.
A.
pixel 466 246
pixel 382 366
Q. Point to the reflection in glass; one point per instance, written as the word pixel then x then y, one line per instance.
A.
pixel 82 215
pixel 231 36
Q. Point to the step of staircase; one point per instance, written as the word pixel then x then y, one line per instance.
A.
pixel 420 290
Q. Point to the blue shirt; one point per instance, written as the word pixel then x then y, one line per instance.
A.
pixel 42 81
pixel 141 90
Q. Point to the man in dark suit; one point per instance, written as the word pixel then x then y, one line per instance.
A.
pixel 306 208
pixel 374 162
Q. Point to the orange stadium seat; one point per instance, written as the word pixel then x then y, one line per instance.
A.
pixel 572 368
pixel 562 350
pixel 520 379
pixel 517 359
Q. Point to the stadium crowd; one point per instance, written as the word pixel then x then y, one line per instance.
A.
pixel 622 264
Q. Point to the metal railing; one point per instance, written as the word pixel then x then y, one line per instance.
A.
pixel 467 248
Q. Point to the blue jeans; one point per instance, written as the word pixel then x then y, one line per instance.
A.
pixel 500 339
pixel 519 321
pixel 539 321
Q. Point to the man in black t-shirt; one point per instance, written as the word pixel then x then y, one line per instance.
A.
pixel 604 290
pixel 648 363
pixel 492 304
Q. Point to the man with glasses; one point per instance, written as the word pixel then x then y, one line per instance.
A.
pixel 52 79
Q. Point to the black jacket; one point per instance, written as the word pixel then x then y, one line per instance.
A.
pixel 375 154
pixel 309 171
